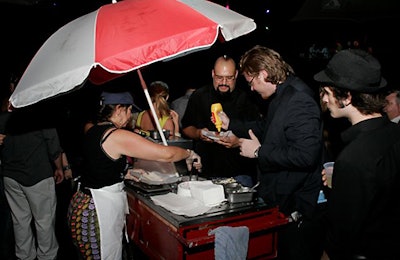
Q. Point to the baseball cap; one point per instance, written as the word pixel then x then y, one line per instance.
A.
pixel 119 98
pixel 116 98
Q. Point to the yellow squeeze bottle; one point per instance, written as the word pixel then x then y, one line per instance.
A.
pixel 215 109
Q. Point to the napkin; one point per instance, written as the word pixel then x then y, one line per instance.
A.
pixel 180 205
pixel 207 192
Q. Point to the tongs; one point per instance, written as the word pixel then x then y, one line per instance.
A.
pixel 193 171
pixel 255 186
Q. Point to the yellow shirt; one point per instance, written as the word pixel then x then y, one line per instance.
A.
pixel 161 120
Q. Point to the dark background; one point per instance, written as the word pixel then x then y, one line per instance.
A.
pixel 290 27
pixel 293 26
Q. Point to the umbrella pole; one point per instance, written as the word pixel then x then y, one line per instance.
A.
pixel 146 93
pixel 153 111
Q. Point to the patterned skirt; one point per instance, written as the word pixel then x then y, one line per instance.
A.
pixel 84 225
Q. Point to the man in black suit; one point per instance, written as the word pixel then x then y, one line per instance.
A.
pixel 288 146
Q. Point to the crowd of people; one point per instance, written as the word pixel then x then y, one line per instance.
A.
pixel 283 149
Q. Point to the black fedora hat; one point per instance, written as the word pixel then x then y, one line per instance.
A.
pixel 353 69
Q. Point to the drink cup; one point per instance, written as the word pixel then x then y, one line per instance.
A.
pixel 329 171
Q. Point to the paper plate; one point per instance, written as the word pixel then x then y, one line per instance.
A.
pixel 156 178
pixel 215 135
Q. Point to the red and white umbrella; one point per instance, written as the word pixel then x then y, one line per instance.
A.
pixel 121 37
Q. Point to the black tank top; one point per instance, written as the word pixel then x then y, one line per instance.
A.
pixel 99 169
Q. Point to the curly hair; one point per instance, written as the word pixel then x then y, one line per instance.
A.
pixel 366 103
pixel 262 58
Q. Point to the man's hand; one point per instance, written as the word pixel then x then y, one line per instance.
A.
pixel 203 137
pixel 229 141
pixel 58 176
pixel 224 119
pixel 324 177
pixel 68 174
pixel 249 146
pixel 2 138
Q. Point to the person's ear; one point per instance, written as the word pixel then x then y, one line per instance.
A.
pixel 347 101
pixel 263 74
pixel 118 108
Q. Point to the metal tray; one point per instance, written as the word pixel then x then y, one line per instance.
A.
pixel 147 188
pixel 237 197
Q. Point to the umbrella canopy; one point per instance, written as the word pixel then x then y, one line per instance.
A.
pixel 121 37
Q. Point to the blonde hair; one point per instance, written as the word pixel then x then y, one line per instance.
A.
pixel 262 58
pixel 159 93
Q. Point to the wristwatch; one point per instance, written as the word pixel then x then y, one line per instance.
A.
pixel 256 152
pixel 66 167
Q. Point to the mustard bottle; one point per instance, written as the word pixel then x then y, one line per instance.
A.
pixel 215 109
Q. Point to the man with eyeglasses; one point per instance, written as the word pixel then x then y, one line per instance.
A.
pixel 217 160
pixel 287 145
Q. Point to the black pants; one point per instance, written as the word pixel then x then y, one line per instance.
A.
pixel 303 240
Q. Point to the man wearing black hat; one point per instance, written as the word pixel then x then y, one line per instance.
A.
pixel 363 208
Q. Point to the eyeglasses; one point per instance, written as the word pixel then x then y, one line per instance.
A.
pixel 251 81
pixel 222 78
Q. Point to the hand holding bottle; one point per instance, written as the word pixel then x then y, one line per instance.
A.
pixel 216 108
pixel 224 120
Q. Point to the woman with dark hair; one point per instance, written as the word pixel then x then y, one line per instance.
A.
pixel 97 210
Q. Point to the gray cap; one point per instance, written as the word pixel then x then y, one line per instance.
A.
pixel 116 98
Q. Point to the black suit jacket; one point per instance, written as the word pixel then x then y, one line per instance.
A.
pixel 290 157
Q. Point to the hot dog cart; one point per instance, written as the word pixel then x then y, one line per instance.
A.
pixel 161 234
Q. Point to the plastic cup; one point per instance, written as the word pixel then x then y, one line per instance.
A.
pixel 329 171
